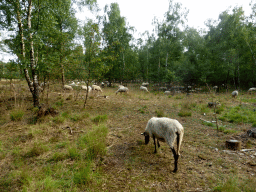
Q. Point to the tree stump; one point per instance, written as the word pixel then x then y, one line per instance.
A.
pixel 211 104
pixel 252 133
pixel 233 144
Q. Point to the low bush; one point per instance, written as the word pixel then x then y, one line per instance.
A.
pixel 100 118
pixel 16 115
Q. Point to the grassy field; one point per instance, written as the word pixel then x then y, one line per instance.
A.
pixel 99 147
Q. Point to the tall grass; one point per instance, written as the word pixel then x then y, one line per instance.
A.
pixel 16 115
pixel 95 142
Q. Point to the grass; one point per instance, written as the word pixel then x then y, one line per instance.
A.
pixel 100 118
pixel 240 114
pixel 185 113
pixel 17 115
pixel 105 151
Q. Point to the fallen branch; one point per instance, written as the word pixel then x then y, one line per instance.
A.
pixel 207 121
pixel 71 132
pixel 103 96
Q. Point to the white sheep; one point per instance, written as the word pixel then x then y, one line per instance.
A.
pixel 120 86
pixel 145 84
pixel 144 88
pixel 96 88
pixel 122 90
pixel 166 130
pixel 251 90
pixel 234 93
pixel 68 87
pixel 84 87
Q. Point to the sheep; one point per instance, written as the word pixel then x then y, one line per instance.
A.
pixel 234 93
pixel 145 84
pixel 120 86
pixel 162 88
pixel 166 130
pixel 251 90
pixel 167 92
pixel 144 88
pixel 73 84
pixel 84 87
pixel 68 87
pixel 96 88
pixel 122 90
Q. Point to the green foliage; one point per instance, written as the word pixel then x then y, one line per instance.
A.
pixel 83 175
pixel 65 114
pixel 240 114
pixel 233 184
pixel 230 185
pixel 96 142
pixel 75 117
pixel 58 157
pixel 81 116
pixel 208 124
pixel 226 131
pixel 74 153
pixel 220 109
pixel 58 119
pixel 36 150
pixel 184 113
pixel 142 110
pixel 59 103
pixel 100 118
pixel 16 115
pixel 160 113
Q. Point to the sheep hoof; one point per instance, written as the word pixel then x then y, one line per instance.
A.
pixel 155 151
pixel 175 170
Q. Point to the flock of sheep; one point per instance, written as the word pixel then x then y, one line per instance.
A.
pixel 93 88
pixel 160 129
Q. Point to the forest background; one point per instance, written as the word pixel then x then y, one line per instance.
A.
pixel 46 36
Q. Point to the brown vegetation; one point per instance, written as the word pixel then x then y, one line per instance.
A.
pixel 39 153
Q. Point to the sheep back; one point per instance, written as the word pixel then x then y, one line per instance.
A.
pixel 164 129
pixel 234 93
pixel 67 87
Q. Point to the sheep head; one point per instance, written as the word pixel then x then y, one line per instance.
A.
pixel 146 137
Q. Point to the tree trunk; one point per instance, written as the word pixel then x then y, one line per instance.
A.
pixel 35 92
pixel 62 75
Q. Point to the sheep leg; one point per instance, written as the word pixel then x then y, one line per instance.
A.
pixel 158 143
pixel 154 142
pixel 176 157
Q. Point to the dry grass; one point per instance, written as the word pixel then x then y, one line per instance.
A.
pixel 40 154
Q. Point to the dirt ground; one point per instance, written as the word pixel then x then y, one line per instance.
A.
pixel 129 165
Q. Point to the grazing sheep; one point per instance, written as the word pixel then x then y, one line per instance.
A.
pixel 84 87
pixel 122 90
pixel 166 130
pixel 145 84
pixel 234 93
pixel 251 90
pixel 96 88
pixel 74 84
pixel 162 88
pixel 167 92
pixel 144 88
pixel 68 87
